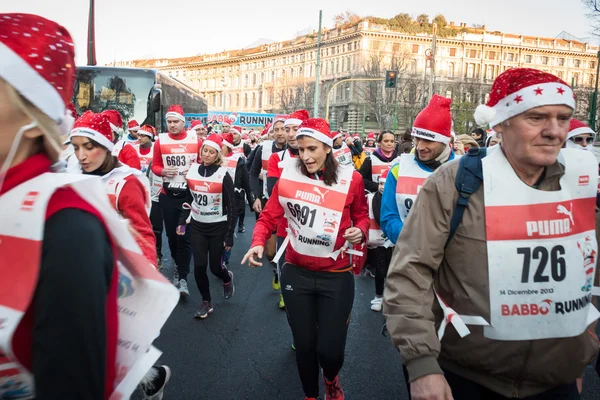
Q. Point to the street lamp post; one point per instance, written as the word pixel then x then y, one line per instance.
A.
pixel 594 99
pixel 91 48
pixel 318 69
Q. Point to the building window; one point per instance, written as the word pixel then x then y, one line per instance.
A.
pixel 510 57
pixel 253 100
pixel 489 72
pixel 592 80
pixel 396 47
pixel 472 53
pixel 349 64
pixel 413 66
pixel 575 79
pixel 246 80
pixel 450 71
pixel 246 100
pixel 545 60
pixel 470 70
pixel 415 48
pixel 592 64
pixel 561 62
pixel 337 65
pixel 561 74
pixel 237 100
pixel 453 52
pixel 577 63
pixel 491 55
pixel 527 59
pixel 375 45
pixel 253 79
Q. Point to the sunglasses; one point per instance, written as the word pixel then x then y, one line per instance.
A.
pixel 580 140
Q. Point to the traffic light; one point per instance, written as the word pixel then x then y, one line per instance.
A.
pixel 391 78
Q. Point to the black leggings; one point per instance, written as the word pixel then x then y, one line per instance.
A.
pixel 208 249
pixel 180 246
pixel 379 258
pixel 464 389
pixel 318 305
pixel 156 219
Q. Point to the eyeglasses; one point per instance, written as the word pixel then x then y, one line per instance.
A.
pixel 580 140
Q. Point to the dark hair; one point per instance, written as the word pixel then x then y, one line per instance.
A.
pixel 330 169
pixel 478 131
pixel 380 136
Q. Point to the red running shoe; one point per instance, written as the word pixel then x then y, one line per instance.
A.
pixel 333 390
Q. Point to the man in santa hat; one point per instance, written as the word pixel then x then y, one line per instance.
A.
pixel 123 150
pixel 174 153
pixel 506 261
pixel 132 131
pixel 431 134
pixel 239 147
pixel 199 127
pixel 370 145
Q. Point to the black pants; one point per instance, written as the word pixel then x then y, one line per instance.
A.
pixel 180 246
pixel 156 219
pixel 318 305
pixel 464 389
pixel 208 249
pixel 379 259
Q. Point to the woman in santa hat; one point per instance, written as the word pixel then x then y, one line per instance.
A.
pixel 122 149
pixel 211 217
pixel 326 211
pixel 127 188
pixel 145 146
pixel 381 159
pixel 58 321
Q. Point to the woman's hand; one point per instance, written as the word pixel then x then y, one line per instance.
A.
pixel 227 248
pixel 257 206
pixel 353 235
pixel 254 251
pixel 180 230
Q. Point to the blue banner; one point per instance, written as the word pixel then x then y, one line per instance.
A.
pixel 254 120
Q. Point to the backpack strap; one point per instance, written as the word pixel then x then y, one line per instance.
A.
pixel 468 180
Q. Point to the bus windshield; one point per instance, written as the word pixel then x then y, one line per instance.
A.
pixel 127 91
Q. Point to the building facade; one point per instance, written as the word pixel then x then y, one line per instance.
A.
pixel 280 77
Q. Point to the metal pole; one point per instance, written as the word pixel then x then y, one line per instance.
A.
pixel 432 69
pixel 363 119
pixel 396 114
pixel 91 50
pixel 318 71
pixel 342 81
pixel 594 100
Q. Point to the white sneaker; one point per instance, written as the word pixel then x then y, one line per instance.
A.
pixel 377 304
pixel 183 288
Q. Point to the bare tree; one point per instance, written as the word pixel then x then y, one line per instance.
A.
pixel 295 97
pixel 593 13
pixel 381 101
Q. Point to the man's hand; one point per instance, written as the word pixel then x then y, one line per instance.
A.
pixel 353 235
pixel 169 172
pixel 349 141
pixel 254 251
pixel 180 230
pixel 257 206
pixel 431 387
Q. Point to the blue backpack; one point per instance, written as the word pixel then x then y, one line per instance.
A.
pixel 468 180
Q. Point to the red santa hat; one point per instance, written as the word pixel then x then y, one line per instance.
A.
pixel 371 136
pixel 73 110
pixel 337 135
pixel 316 128
pixel 265 132
pixel 226 121
pixel 133 125
pixel 175 111
pixel 296 117
pixel 434 122
pixel 227 139
pixel 213 140
pixel 37 58
pixel 236 129
pixel 115 120
pixel 95 127
pixel 579 128
pixel 196 124
pixel 147 130
pixel 518 90
pixel 245 136
pixel 383 176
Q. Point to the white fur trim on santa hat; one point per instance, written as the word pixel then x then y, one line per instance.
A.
pixel 94 135
pixel 212 144
pixel 175 115
pixel 339 135
pixel 321 137
pixel 114 128
pixel 429 135
pixel 292 121
pixel 146 133
pixel 134 129
pixel 233 130
pixel 30 84
pixel 581 131
pixel 544 94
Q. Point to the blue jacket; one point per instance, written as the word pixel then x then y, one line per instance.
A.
pixel 391 224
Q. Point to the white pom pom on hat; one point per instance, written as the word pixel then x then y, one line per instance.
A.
pixel 484 114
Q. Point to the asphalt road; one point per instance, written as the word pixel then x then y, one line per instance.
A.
pixel 242 350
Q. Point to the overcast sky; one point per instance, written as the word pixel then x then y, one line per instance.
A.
pixel 131 29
